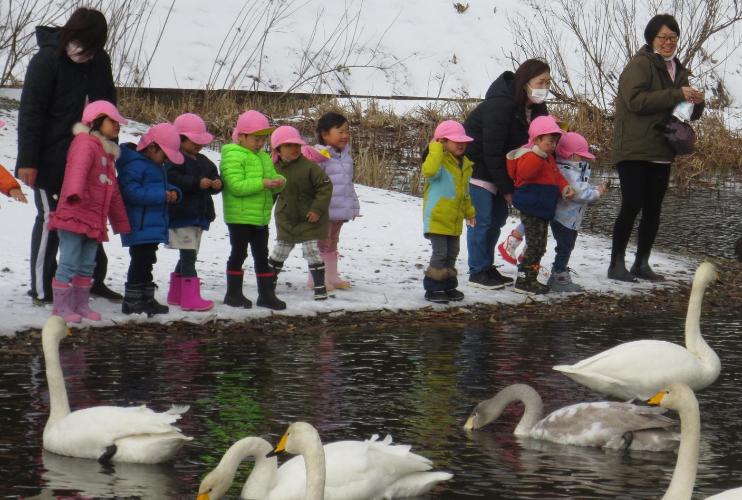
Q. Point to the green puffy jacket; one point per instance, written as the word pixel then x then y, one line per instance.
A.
pixel 446 198
pixel 246 200
pixel 307 189
pixel 644 104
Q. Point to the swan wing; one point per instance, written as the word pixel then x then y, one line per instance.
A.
pixel 733 494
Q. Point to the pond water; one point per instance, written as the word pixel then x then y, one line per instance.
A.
pixel 418 386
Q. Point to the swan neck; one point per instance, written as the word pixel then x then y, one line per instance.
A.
pixel 314 462
pixel 59 405
pixel 694 341
pixel 684 475
pixel 533 409
pixel 264 472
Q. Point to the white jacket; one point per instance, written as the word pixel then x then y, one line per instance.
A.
pixel 569 213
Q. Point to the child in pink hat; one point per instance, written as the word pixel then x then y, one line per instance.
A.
pixel 302 207
pixel 446 204
pixel 90 197
pixel 250 183
pixel 147 194
pixel 198 180
pixel 573 159
pixel 9 186
pixel 538 186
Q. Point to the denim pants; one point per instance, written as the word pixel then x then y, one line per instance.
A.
pixel 565 242
pixel 76 256
pixel 492 213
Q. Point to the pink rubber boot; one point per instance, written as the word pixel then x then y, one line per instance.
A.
pixel 190 298
pixel 332 280
pixel 81 293
pixel 173 293
pixel 64 301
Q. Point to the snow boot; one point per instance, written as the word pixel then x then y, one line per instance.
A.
pixel 617 269
pixel 436 283
pixel 191 299
pixel 81 288
pixel 63 299
pixel 562 282
pixel 451 284
pixel 173 293
pixel 133 299
pixel 152 307
pixel 276 267
pixel 267 292
pixel 641 269
pixel 234 296
pixel 527 281
pixel 318 275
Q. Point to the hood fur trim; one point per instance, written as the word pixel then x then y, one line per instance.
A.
pixel 109 146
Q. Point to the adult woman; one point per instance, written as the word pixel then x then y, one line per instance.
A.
pixel 69 70
pixel 499 124
pixel 649 88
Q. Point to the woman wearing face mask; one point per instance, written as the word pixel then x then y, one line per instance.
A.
pixel 70 70
pixel 649 88
pixel 498 125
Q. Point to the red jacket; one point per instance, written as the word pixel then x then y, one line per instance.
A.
pixel 90 176
pixel 537 180
pixel 7 182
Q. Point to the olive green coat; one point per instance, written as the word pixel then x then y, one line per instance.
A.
pixel 307 189
pixel 644 104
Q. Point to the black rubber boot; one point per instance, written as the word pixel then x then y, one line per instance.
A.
pixel 527 281
pixel 318 276
pixel 617 270
pixel 133 299
pixel 99 289
pixel 641 269
pixel 152 306
pixel 276 267
pixel 234 296
pixel 267 293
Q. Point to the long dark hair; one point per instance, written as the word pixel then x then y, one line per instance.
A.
pixel 327 122
pixel 87 27
pixel 526 71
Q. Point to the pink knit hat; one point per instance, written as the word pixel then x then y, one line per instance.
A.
pixel 573 143
pixel 192 126
pixel 543 125
pixel 252 122
pixel 166 136
pixel 451 130
pixel 98 108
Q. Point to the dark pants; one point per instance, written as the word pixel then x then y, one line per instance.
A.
pixel 537 230
pixel 143 258
pixel 565 242
pixel 242 235
pixel 44 247
pixel 445 250
pixel 643 187
pixel 186 265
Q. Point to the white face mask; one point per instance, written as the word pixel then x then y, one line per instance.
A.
pixel 538 95
pixel 75 52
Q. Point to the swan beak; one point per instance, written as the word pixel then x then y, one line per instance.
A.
pixel 657 398
pixel 203 496
pixel 280 447
pixel 469 425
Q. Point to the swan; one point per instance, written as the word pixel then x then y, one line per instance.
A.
pixel 641 368
pixel 605 424
pixel 105 433
pixel 369 469
pixel 680 397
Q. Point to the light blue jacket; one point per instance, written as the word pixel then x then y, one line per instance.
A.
pixel 339 168
pixel 569 213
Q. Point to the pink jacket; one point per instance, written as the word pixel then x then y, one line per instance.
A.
pixel 90 176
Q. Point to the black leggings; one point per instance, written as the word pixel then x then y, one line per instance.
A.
pixel 143 258
pixel 240 235
pixel 643 187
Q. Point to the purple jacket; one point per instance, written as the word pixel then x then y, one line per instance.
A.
pixel 339 168
pixel 90 176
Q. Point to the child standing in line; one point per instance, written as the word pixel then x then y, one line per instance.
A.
pixel 250 182
pixel 8 185
pixel 538 185
pixel 446 203
pixel 90 196
pixel 333 133
pixel 198 180
pixel 573 159
pixel 146 193
pixel 301 208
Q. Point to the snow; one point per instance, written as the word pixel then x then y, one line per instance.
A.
pixel 384 255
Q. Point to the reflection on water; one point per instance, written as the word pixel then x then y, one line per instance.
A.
pixel 418 386
pixel 702 222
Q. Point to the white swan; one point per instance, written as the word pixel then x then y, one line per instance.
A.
pixel 345 469
pixel 105 433
pixel 605 424
pixel 680 397
pixel 641 368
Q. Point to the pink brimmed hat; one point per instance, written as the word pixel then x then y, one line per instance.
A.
pixel 98 108
pixel 166 136
pixel 451 130
pixel 192 126
pixel 543 125
pixel 284 134
pixel 252 122
pixel 573 143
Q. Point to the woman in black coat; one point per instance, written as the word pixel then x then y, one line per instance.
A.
pixel 69 70
pixel 498 125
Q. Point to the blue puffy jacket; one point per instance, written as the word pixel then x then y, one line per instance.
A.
pixel 143 185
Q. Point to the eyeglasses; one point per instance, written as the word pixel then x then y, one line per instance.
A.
pixel 667 38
